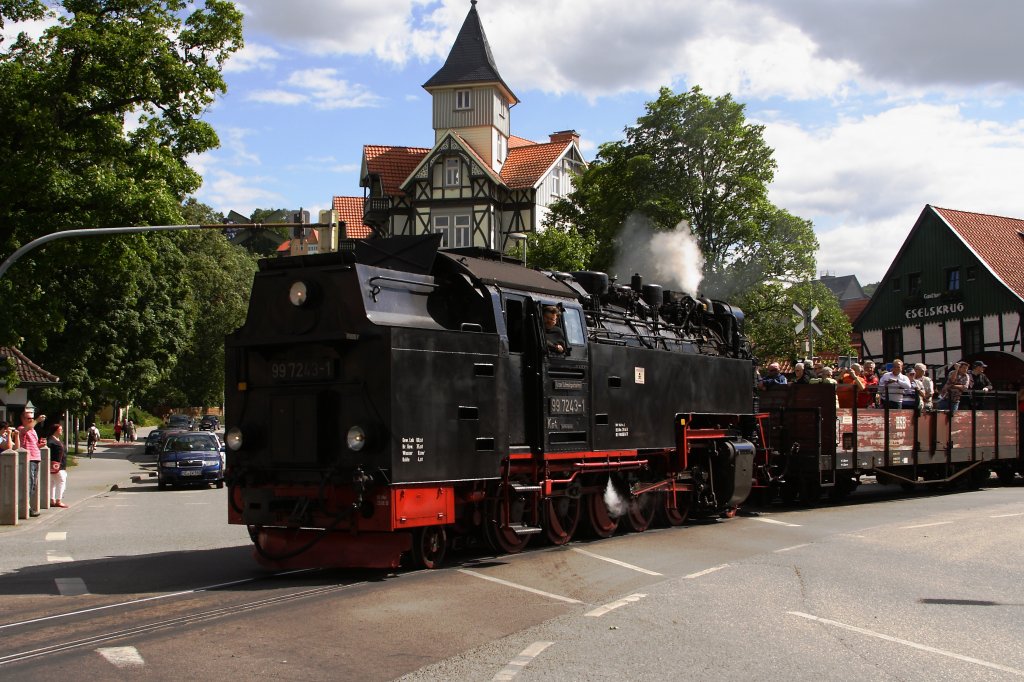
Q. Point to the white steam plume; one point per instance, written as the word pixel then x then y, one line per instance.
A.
pixel 671 259
pixel 617 506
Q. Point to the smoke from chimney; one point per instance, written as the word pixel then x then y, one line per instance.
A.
pixel 671 259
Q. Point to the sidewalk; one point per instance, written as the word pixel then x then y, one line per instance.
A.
pixel 110 467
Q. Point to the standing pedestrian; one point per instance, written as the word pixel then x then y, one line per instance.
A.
pixel 30 441
pixel 117 431
pixel 8 437
pixel 58 466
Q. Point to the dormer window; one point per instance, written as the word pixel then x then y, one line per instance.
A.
pixel 451 172
pixel 463 100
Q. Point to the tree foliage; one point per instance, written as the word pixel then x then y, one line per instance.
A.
pixel 695 158
pixel 771 321
pixel 100 117
pixel 564 249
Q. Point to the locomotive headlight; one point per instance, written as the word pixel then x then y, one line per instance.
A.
pixel 356 438
pixel 233 439
pixel 298 293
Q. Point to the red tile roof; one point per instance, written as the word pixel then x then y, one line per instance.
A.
pixel 998 241
pixel 854 308
pixel 516 141
pixel 527 164
pixel 29 373
pixel 350 210
pixel 392 164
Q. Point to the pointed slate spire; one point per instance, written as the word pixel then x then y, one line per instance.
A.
pixel 470 60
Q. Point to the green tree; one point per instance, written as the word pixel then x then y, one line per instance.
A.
pixel 771 320
pixel 99 119
pixel 695 158
pixel 564 249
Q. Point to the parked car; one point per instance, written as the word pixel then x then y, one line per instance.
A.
pixel 153 441
pixel 181 421
pixel 191 458
pixel 209 422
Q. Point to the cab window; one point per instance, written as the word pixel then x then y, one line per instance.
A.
pixel 574 327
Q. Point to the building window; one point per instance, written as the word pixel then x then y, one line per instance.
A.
pixel 892 344
pixel 896 284
pixel 972 273
pixel 462 235
pixel 556 180
pixel 953 279
pixel 972 339
pixel 451 172
pixel 463 99
pixel 442 224
pixel 914 284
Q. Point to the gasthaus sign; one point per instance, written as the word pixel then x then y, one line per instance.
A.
pixel 934 310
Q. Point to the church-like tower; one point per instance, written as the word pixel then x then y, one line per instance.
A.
pixel 470 97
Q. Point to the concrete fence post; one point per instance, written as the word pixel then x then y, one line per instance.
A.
pixel 23 487
pixel 43 499
pixel 9 488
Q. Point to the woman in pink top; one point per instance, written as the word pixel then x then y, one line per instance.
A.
pixel 30 441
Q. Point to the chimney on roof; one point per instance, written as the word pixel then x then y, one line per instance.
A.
pixel 566 136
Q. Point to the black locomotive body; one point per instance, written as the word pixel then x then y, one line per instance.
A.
pixel 393 398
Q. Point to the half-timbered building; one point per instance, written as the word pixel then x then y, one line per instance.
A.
pixel 478 184
pixel 954 290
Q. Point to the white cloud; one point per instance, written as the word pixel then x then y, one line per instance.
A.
pixel 865 180
pixel 252 56
pixel 33 28
pixel 226 191
pixel 321 87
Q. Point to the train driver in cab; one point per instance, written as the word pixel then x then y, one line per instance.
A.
pixel 553 331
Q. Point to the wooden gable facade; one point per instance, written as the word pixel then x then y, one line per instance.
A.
pixel 954 290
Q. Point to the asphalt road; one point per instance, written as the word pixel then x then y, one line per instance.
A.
pixel 141 584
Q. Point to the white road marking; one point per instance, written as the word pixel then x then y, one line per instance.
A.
pixel 53 557
pixel 521 661
pixel 905 642
pixel 1003 516
pixel 926 525
pixel 122 656
pixel 762 519
pixel 786 549
pixel 520 587
pixel 614 561
pixel 71 587
pixel 601 610
pixel 705 572
pixel 57 536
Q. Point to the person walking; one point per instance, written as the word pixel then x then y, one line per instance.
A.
pixel 30 441
pixel 58 466
pixel 117 432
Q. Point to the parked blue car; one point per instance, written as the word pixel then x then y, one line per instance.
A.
pixel 191 458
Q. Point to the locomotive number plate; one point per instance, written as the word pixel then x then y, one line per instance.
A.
pixel 312 369
pixel 567 406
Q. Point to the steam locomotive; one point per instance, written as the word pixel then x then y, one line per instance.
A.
pixel 393 400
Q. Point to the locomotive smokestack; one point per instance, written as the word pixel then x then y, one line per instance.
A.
pixel 637 283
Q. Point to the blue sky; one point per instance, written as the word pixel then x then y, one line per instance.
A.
pixel 874 108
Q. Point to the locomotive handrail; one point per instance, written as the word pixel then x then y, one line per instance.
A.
pixel 374 290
